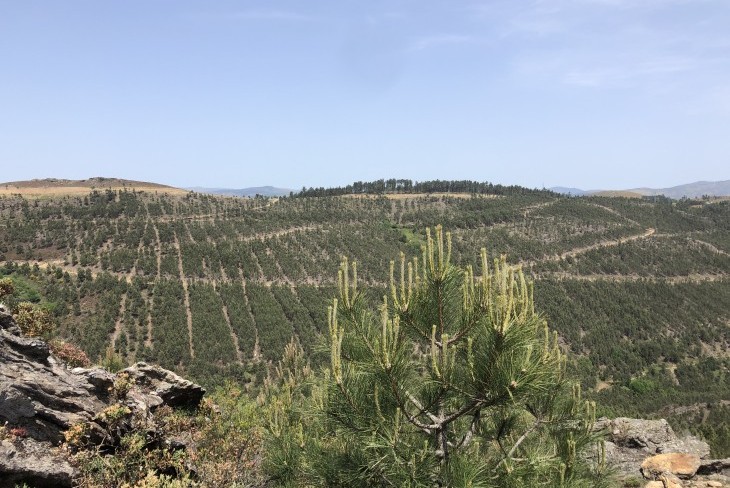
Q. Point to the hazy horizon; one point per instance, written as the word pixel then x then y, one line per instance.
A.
pixel 591 94
pixel 345 183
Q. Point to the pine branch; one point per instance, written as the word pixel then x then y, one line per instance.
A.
pixel 466 440
pixel 522 438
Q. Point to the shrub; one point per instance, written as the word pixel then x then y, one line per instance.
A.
pixel 122 384
pixel 33 321
pixel 7 287
pixel 77 436
pixel 111 361
pixel 69 353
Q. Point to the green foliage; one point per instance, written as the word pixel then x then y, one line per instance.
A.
pixel 393 185
pixel 111 361
pixel 455 382
pixel 223 437
pixel 642 385
pixel 132 465
pixel 228 439
pixel 106 267
pixel 7 287
pixel 33 320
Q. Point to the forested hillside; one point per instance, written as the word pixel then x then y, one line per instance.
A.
pixel 215 287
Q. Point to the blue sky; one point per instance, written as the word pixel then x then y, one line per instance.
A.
pixel 586 93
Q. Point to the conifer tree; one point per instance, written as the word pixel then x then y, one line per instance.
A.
pixel 455 381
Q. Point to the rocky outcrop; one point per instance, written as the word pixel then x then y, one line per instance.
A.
pixel 7 322
pixel 710 466
pixel 38 393
pixel 40 399
pixel 33 463
pixel 679 464
pixel 650 448
pixel 162 386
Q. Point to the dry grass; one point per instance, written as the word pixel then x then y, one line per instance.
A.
pixel 51 187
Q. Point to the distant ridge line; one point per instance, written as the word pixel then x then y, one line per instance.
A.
pixel 697 189
pixel 96 181
pixel 42 188
pixel 265 191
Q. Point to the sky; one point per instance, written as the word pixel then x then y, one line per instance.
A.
pixel 592 94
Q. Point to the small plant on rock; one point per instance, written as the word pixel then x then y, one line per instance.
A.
pixel 111 361
pixel 122 384
pixel 33 321
pixel 18 432
pixel 72 355
pixel 77 436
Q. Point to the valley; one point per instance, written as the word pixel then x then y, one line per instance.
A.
pixel 214 287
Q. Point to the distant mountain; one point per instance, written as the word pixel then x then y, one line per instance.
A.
pixel 615 193
pixel 576 192
pixel 265 191
pixel 690 190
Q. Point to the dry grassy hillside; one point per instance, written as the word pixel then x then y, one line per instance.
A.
pixel 53 187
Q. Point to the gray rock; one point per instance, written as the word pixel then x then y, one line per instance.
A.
pixel 715 466
pixel 630 441
pixel 7 322
pixel 35 463
pixel 688 444
pixel 637 433
pixel 625 461
pixel 39 394
pixel 168 388
pixel 101 379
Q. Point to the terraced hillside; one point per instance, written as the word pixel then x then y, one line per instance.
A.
pixel 215 287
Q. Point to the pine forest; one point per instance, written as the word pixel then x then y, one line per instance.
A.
pixel 215 288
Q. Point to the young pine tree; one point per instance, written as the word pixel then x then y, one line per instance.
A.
pixel 455 381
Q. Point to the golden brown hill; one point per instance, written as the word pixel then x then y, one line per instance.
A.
pixel 47 187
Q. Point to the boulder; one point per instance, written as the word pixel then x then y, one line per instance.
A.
pixel 38 394
pixel 682 465
pixel 648 435
pixel 630 441
pixel 162 386
pixel 101 380
pixel 715 466
pixel 37 464
pixel 670 481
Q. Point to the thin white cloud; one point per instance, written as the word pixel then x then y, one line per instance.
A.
pixel 256 15
pixel 659 46
pixel 428 42
pixel 572 70
pixel 276 15
pixel 714 101
pixel 622 74
pixel 537 25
